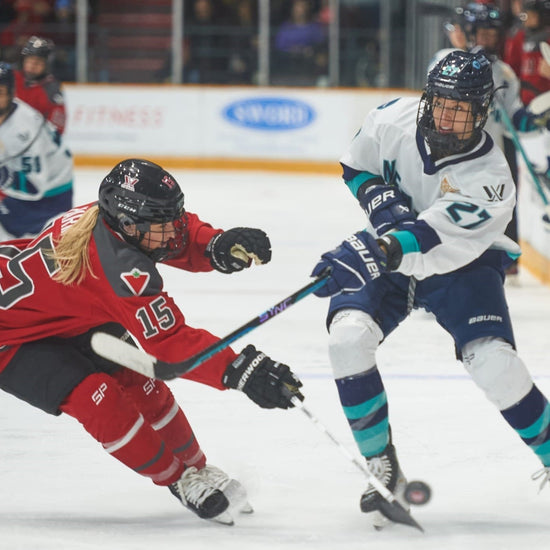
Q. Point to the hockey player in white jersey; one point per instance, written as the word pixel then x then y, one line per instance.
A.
pixel 36 169
pixel 481 26
pixel 438 195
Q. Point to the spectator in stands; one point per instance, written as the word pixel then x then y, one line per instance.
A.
pixel 29 16
pixel 243 44
pixel 207 45
pixel 301 47
pixel 36 85
pixel 189 75
pixel 64 61
pixel 7 11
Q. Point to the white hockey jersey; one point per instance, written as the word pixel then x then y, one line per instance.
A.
pixel 464 202
pixel 35 155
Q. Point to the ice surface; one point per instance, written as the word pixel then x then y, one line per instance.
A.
pixel 59 490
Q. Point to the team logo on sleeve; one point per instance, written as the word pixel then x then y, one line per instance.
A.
pixel 136 280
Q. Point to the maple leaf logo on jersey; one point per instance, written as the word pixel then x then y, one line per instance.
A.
pixel 446 187
pixel 136 280
pixel 129 183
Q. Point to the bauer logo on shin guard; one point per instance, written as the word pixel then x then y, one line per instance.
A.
pixel 366 255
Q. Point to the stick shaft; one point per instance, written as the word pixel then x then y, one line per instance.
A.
pixel 122 353
pixel 515 138
pixel 390 506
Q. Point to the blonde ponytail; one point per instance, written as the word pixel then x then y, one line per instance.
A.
pixel 72 253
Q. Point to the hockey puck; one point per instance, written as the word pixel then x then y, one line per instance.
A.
pixel 418 493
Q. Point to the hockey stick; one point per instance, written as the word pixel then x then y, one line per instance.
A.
pixel 540 105
pixel 519 147
pixel 389 506
pixel 545 51
pixel 118 351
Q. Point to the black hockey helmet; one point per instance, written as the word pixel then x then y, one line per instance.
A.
pixel 542 7
pixel 138 193
pixel 479 16
pixel 461 76
pixel 6 77
pixel 40 47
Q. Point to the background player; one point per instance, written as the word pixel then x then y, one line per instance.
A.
pixel 439 195
pixel 36 85
pixel 36 168
pixel 522 50
pixel 95 267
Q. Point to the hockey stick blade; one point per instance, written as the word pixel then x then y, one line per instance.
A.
pixel 545 51
pixel 395 512
pixel 112 348
pixel 540 104
pixel 389 507
pixel 128 356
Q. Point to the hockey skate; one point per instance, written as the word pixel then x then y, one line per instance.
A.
pixel 542 476
pixel 196 492
pixel 231 488
pixel 386 468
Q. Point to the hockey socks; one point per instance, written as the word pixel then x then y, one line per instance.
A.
pixel 531 420
pixel 156 403
pixel 102 407
pixel 365 405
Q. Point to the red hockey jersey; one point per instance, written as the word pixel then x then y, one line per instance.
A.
pixel 522 53
pixel 124 287
pixel 45 96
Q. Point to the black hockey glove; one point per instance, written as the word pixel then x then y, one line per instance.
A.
pixel 387 207
pixel 268 383
pixel 234 249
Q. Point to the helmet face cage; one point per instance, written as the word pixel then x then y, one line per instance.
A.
pixel 144 203
pixel 460 76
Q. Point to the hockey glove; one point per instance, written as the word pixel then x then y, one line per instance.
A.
pixel 268 383
pixel 356 261
pixel 233 250
pixel 387 208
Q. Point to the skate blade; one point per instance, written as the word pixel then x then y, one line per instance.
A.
pixel 237 497
pixel 246 508
pixel 225 518
pixel 379 521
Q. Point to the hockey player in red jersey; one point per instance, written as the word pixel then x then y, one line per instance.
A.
pixel 95 267
pixel 36 85
pixel 522 51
